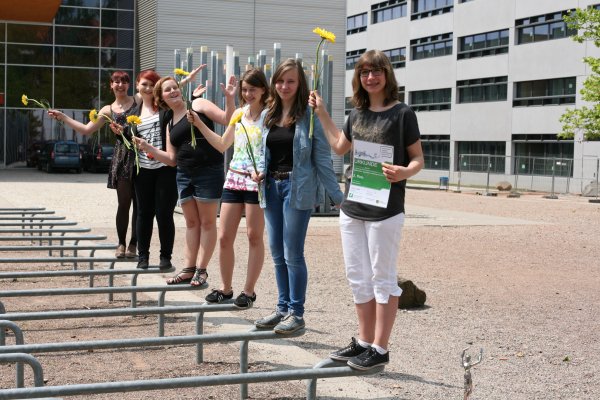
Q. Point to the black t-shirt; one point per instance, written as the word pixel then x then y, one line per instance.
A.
pixel 188 157
pixel 280 142
pixel 396 127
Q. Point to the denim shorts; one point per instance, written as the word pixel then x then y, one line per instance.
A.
pixel 239 196
pixel 203 184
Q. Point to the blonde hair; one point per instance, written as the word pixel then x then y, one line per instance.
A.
pixel 157 92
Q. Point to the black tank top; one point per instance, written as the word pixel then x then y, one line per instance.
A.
pixel 187 156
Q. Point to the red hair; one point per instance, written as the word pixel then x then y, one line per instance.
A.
pixel 149 74
pixel 121 76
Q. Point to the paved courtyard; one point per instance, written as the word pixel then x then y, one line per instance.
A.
pixel 517 277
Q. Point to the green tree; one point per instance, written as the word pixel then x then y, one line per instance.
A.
pixel 585 118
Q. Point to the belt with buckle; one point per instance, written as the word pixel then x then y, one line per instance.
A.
pixel 277 175
pixel 235 171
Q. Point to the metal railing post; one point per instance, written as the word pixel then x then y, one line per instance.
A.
pixel 487 183
pixel 552 195
pixel 38 373
pixel 244 368
pixel 200 331
pixel 20 374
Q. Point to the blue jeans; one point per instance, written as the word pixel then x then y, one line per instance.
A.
pixel 286 227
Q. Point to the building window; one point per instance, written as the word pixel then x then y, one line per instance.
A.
pixel 483 44
pixel 388 10
pixel 545 92
pixel 542 155
pixel 432 46
pixel 397 57
pixel 481 157
pixel 543 27
pixel 428 8
pixel 436 151
pixel 431 100
pixel 401 93
pixel 482 90
pixel 352 58
pixel 356 23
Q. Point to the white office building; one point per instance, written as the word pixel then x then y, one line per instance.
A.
pixel 489 80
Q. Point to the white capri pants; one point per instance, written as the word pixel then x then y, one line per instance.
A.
pixel 371 251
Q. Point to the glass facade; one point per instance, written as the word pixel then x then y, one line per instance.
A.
pixel 67 63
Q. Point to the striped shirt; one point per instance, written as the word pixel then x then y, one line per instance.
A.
pixel 149 130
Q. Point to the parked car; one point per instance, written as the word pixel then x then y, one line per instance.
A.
pixel 60 155
pixel 33 153
pixel 99 157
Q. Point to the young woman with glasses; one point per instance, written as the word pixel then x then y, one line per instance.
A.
pixel 370 234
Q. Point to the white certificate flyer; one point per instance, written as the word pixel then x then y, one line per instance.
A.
pixel 368 185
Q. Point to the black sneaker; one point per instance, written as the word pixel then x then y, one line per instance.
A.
pixel 244 301
pixel 352 350
pixel 142 263
pixel 369 359
pixel 165 263
pixel 216 296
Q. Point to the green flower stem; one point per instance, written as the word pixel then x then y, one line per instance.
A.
pixel 250 152
pixel 135 149
pixel 315 87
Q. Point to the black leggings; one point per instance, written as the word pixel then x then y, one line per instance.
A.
pixel 156 191
pixel 125 196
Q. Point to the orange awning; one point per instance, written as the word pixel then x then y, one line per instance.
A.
pixel 29 10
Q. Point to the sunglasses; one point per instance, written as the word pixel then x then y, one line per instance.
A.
pixel 376 72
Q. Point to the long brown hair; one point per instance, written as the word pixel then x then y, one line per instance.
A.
pixel 157 92
pixel 376 59
pixel 275 106
pixel 256 78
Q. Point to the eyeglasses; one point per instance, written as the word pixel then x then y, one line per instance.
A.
pixel 376 72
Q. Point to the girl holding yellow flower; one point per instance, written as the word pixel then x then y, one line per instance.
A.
pixel 155 186
pixel 295 164
pixel 371 235
pixel 241 189
pixel 120 176
pixel 199 172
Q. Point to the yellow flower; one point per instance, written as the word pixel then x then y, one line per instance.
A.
pixel 179 71
pixel 93 115
pixel 236 118
pixel 24 99
pixel 134 120
pixel 325 34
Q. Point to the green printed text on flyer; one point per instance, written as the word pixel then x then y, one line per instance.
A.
pixel 368 185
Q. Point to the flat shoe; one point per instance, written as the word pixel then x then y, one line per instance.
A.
pixel 177 279
pixel 198 279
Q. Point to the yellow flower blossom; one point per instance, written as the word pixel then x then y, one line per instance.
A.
pixel 41 103
pixel 236 118
pixel 134 120
pixel 180 71
pixel 93 115
pixel 325 34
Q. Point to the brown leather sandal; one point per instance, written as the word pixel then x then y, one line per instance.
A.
pixel 178 279
pixel 199 279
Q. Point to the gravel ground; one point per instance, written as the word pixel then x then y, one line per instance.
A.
pixel 517 277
